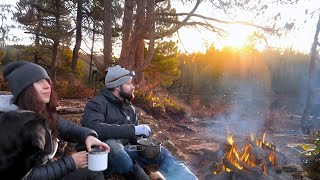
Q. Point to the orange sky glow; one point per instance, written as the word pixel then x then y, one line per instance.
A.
pixel 300 38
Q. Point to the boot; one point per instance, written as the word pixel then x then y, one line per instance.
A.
pixel 138 173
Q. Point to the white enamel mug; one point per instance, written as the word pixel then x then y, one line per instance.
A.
pixel 97 160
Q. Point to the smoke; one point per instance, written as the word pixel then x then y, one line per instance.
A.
pixel 249 109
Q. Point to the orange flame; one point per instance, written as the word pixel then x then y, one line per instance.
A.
pixel 246 156
pixel 272 158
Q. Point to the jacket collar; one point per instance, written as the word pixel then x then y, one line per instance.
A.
pixel 6 103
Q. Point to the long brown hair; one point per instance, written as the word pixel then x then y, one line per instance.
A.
pixel 28 100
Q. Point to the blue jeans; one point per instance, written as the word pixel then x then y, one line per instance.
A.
pixel 121 161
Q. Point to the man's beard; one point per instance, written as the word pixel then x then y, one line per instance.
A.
pixel 129 96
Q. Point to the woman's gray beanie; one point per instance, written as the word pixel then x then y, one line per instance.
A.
pixel 117 76
pixel 21 74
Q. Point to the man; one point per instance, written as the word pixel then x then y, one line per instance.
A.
pixel 113 117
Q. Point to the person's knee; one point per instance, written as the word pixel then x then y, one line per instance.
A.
pixel 116 148
pixel 164 151
pixel 118 158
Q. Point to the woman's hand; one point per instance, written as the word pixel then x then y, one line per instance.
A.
pixel 92 141
pixel 80 159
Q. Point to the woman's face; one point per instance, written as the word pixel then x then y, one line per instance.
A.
pixel 43 89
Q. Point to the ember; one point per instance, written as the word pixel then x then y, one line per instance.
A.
pixel 256 153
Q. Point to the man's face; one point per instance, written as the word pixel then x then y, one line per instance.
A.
pixel 127 90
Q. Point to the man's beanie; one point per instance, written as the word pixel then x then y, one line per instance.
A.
pixel 117 76
pixel 21 74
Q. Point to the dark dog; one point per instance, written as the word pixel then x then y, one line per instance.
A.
pixel 25 142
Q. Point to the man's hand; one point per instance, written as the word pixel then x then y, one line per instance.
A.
pixel 142 129
pixel 92 141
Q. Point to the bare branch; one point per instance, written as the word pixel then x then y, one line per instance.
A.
pixel 98 31
pixel 158 1
pixel 174 29
pixel 220 21
pixel 194 23
pixel 40 34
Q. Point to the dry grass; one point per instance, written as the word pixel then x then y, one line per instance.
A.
pixel 73 89
pixel 216 107
pixel 277 118
pixel 3 85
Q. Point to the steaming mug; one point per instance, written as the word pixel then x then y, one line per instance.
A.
pixel 97 159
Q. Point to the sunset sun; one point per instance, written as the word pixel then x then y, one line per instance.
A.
pixel 237 36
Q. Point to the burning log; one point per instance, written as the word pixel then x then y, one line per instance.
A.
pixel 222 176
pixel 259 155
pixel 245 174
pixel 269 147
pixel 224 147
pixel 257 160
pixel 256 170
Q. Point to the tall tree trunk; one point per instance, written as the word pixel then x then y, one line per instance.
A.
pixel 306 126
pixel 135 37
pixel 54 59
pixel 127 24
pixel 107 42
pixel 133 41
pixel 142 62
pixel 55 41
pixel 37 40
pixel 78 37
pixel 139 60
pixel 91 53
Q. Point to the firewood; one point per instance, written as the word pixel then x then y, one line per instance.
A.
pixel 279 176
pixel 243 174
pixel 257 170
pixel 261 156
pixel 270 147
pixel 223 176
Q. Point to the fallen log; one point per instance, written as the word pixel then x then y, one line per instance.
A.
pixel 69 110
pixel 5 93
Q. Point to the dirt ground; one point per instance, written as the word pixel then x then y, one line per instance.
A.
pixel 196 141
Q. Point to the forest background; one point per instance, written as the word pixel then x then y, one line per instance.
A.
pixel 142 36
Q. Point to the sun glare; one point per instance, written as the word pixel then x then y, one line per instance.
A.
pixel 237 36
pixel 192 40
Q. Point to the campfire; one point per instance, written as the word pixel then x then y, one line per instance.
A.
pixel 256 159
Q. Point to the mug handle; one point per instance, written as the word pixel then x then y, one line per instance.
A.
pixel 134 148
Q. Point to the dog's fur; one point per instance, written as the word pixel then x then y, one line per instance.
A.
pixel 25 142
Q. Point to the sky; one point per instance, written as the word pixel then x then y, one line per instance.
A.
pixel 300 38
pixel 198 39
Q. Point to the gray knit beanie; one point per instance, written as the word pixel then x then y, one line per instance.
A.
pixel 117 76
pixel 21 74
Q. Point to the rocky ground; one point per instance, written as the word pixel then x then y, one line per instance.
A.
pixel 196 141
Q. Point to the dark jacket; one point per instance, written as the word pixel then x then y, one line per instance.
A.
pixel 67 131
pixel 26 142
pixel 110 117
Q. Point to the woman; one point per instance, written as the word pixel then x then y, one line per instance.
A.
pixel 31 89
